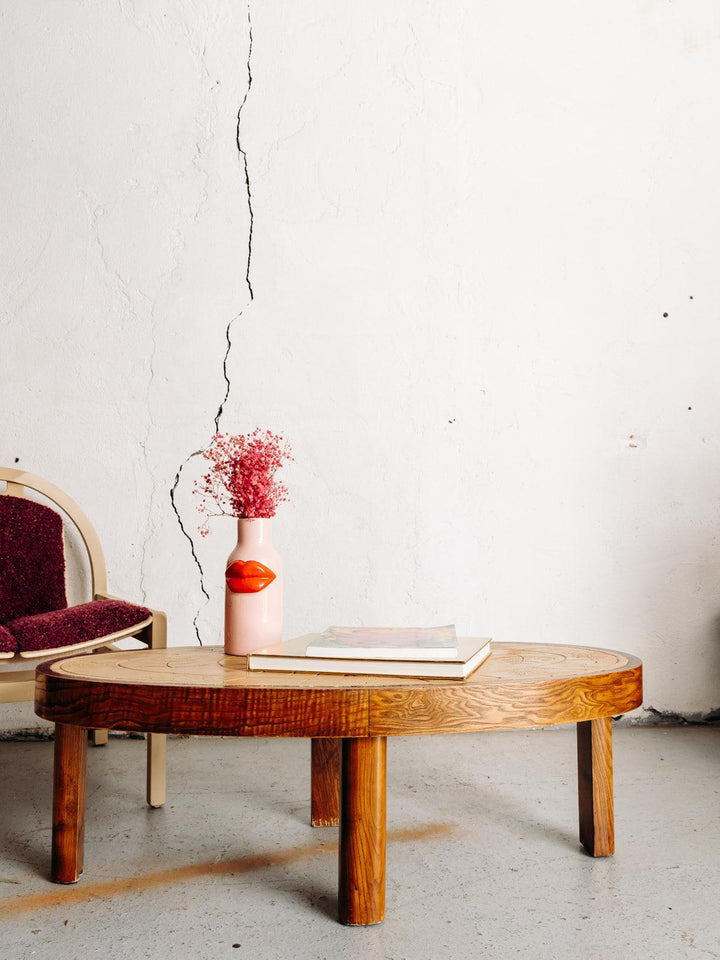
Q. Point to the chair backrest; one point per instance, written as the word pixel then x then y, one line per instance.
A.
pixel 18 482
pixel 32 559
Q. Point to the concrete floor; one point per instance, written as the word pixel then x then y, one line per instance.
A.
pixel 483 857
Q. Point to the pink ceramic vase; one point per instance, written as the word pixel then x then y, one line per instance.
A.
pixel 253 590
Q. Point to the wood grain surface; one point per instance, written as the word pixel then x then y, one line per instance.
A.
pixel 200 690
pixel 595 787
pixel 69 779
pixel 361 861
pixel 324 782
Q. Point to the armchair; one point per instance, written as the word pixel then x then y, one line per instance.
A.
pixel 36 622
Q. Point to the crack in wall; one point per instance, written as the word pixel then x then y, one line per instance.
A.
pixel 225 375
pixel 204 177
pixel 189 540
pixel 228 340
pixel 243 154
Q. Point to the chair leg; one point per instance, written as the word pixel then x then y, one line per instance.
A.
pixel 157 631
pixel 156 769
pixel 157 742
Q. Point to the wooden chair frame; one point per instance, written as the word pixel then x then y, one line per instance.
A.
pixel 19 685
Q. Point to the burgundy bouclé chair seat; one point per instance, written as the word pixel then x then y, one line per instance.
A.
pixel 62 628
pixel 8 643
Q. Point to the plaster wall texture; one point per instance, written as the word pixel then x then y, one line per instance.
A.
pixel 463 256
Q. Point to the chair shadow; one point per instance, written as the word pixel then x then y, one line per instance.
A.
pixel 27 805
pixel 26 801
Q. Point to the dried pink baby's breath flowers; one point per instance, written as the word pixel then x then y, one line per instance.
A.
pixel 240 479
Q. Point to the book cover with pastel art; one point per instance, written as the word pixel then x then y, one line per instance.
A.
pixel 386 643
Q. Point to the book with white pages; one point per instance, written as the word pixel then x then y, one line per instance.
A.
pixel 292 657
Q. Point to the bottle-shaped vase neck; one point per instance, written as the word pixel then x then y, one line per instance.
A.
pixel 254 531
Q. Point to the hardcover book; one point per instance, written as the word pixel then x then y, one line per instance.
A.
pixel 292 656
pixel 386 643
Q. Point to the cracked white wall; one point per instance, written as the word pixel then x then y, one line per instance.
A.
pixel 482 303
pixel 124 234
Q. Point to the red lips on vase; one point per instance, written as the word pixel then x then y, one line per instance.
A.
pixel 248 576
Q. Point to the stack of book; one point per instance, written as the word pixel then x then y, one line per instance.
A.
pixel 434 652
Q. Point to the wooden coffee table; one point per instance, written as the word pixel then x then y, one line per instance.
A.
pixel 199 690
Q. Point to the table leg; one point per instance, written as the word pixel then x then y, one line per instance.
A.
pixel 324 782
pixel 68 831
pixel 595 786
pixel 361 880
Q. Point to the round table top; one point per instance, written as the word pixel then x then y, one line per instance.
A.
pixel 200 690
